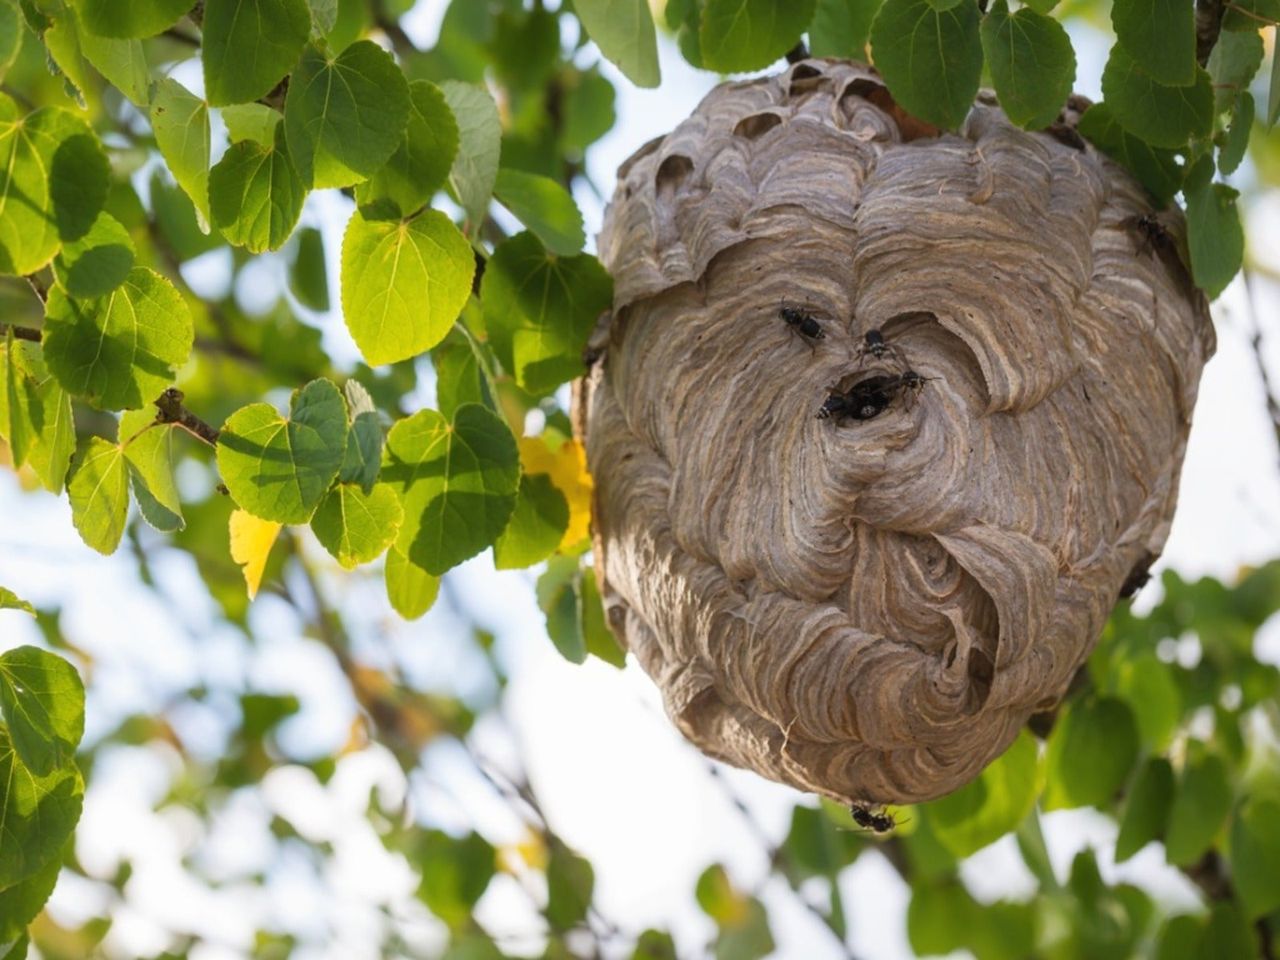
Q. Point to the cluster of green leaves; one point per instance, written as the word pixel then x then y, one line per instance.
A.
pixel 41 789
pixel 1174 120
pixel 1173 736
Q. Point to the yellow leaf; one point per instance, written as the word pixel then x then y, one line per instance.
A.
pixel 529 853
pixel 251 540
pixel 567 468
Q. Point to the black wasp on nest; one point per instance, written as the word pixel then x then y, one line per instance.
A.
pixel 869 398
pixel 802 322
pixel 874 345
pixel 879 822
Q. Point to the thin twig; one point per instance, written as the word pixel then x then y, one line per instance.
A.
pixel 171 410
pixel 20 333
pixel 1255 343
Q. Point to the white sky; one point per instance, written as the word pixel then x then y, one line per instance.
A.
pixel 618 782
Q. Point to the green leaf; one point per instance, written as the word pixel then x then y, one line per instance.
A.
pixel 1031 61
pixel 251 121
pixel 1091 751
pixel 18 949
pixel 42 701
pixel 1228 935
pixel 1215 236
pixel 1160 35
pixel 280 469
pixel 99 493
pixel 122 349
pixel 122 62
pixel 991 806
pixel 345 116
pixel 35 415
pixel 1200 806
pixel 308 276
pixel 356 527
pixel 459 378
pixel 10 35
pixel 1236 143
pixel 1146 811
pixel 623 30
pixel 37 814
pixel 249 45
pixel 11 601
pixel 148 450
pixel 475 168
pixel 1163 116
pixel 403 283
pixel 137 18
pixel 455 874
pixel 256 195
pixel 98 262
pixel 51 160
pixel 544 207
pixel 180 121
pixel 655 945
pixel 737 35
pixel 421 162
pixel 410 589
pixel 931 58
pixel 178 222
pixel 570 883
pixel 1157 169
pixel 588 111
pixel 1180 938
pixel 364 440
pixel 539 310
pixel 1249 16
pixel 539 520
pixel 1233 63
pixel 457 482
pixel 840 28
pixel 940 918
pixel 20 903
pixel 558 598
pixel 1255 851
pixel 599 638
pixel 1145 682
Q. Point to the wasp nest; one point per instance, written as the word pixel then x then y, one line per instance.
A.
pixel 870 604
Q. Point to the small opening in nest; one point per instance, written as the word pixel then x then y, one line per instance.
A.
pixel 672 172
pixel 804 77
pixel 756 126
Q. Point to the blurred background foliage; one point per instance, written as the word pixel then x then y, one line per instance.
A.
pixel 1171 730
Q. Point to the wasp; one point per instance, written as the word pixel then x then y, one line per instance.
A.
pixel 869 398
pixel 879 822
pixel 802 322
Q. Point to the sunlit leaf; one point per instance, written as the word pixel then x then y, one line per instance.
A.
pixel 98 262
pixel 21 902
pixel 991 806
pixel 423 158
pixel 1091 751
pixel 99 491
pixel 255 195
pixel 148 450
pixel 280 469
pixel 251 542
pixel 567 467
pixel 623 30
pixel 249 45
pixel 457 482
pixel 536 526
pixel 122 349
pixel 344 115
pixel 540 309
pixel 475 168
pixel 403 283
pixel 37 814
pixel 11 601
pixel 42 701
pixel 410 589
pixel 10 34
pixel 137 18
pixel 180 121
pixel 544 207
pixel 364 440
pixel 52 160
pixel 35 415
pixel 356 527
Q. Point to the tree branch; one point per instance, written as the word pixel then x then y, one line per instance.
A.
pixel 30 334
pixel 1208 25
pixel 171 410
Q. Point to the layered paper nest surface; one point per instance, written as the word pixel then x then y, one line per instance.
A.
pixel 872 609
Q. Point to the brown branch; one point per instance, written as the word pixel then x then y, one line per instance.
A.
pixel 1208 25
pixel 171 410
pixel 30 334
pixel 1255 343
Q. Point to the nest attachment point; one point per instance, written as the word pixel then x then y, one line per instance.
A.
pixel 871 603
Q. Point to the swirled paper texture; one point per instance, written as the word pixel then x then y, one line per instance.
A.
pixel 872 609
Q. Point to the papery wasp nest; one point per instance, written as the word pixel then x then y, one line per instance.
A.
pixel 881 422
